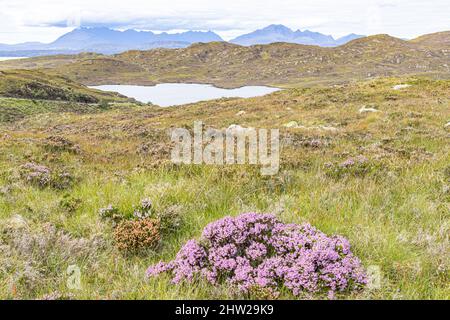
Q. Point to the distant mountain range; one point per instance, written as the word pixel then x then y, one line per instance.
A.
pixel 280 33
pixel 230 65
pixel 108 41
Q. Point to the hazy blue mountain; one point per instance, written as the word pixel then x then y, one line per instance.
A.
pixel 280 33
pixel 109 41
pixel 348 38
pixel 87 38
pixel 270 34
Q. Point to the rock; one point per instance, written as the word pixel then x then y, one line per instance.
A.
pixel 328 128
pixel 240 113
pixel 446 189
pixel 237 128
pixel 291 124
pixel 365 109
pixel 447 125
pixel 17 222
pixel 401 86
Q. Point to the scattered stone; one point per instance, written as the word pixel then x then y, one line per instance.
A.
pixel 327 128
pixel 294 124
pixel 237 128
pixel 240 113
pixel 291 124
pixel 446 189
pixel 17 222
pixel 447 125
pixel 365 109
pixel 401 86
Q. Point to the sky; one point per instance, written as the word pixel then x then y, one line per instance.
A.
pixel 46 20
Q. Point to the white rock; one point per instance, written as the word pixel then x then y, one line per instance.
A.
pixel 401 86
pixel 237 128
pixel 291 124
pixel 328 128
pixel 365 109
pixel 17 222
pixel 240 113
pixel 447 125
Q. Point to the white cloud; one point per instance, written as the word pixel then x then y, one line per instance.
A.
pixel 44 20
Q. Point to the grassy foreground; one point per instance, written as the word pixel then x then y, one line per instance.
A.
pixel 393 206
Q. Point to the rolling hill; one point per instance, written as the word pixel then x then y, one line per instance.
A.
pixel 32 84
pixel 109 41
pixel 230 65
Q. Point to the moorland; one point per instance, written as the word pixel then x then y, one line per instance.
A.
pixel 365 154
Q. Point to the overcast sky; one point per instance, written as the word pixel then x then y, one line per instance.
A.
pixel 45 20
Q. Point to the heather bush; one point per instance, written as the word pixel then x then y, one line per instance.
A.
pixel 31 258
pixel 61 180
pixel 111 213
pixel 36 174
pixel 169 218
pixel 143 210
pixel 69 203
pixel 256 253
pixel 356 166
pixel 60 144
pixel 42 176
pixel 138 235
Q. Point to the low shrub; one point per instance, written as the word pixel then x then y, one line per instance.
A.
pixel 111 213
pixel 138 235
pixel 31 258
pixel 36 174
pixel 42 176
pixel 258 253
pixel 70 204
pixel 143 210
pixel 357 166
pixel 170 218
pixel 60 144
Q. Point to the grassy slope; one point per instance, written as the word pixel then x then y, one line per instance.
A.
pixel 283 64
pixel 25 93
pixel 438 40
pixel 396 216
pixel 31 84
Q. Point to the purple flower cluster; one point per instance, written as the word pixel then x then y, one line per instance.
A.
pixel 258 251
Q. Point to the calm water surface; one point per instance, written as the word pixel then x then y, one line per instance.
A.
pixel 11 58
pixel 171 94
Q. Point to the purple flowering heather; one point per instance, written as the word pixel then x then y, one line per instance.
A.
pixel 259 251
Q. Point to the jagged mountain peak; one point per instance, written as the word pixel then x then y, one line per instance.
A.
pixel 280 33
